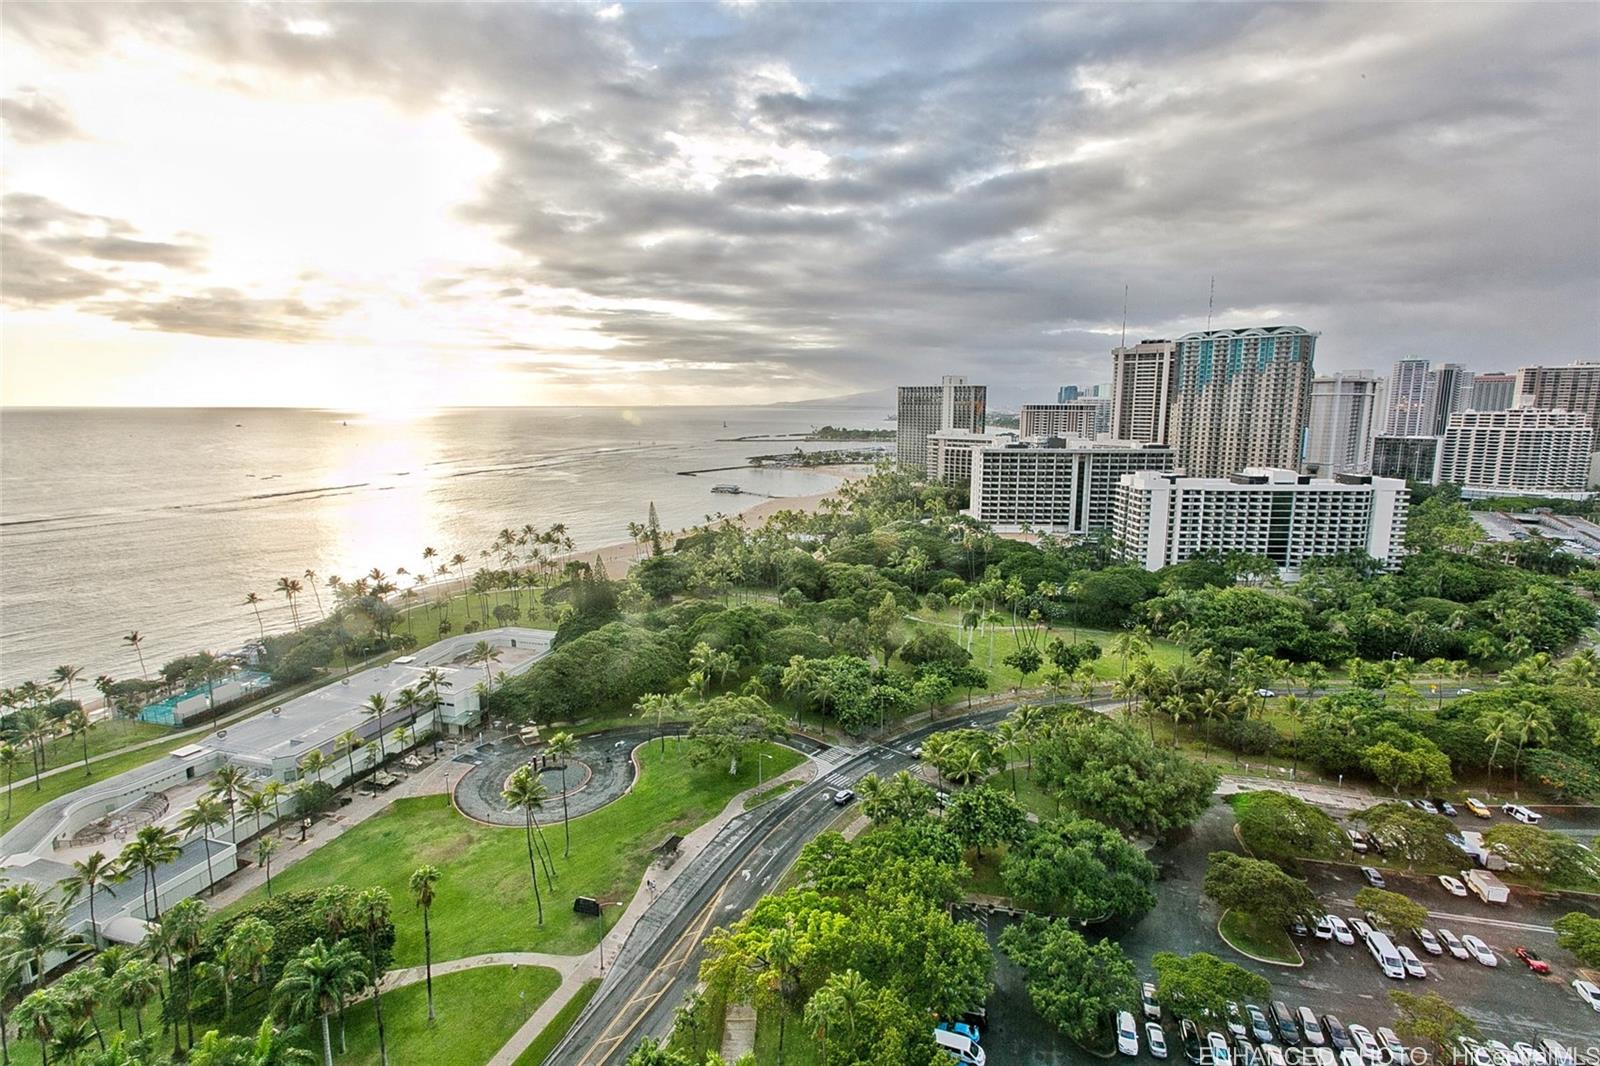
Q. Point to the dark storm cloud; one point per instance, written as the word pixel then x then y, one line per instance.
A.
pixel 856 195
pixel 33 118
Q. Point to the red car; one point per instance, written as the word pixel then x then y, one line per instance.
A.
pixel 1535 963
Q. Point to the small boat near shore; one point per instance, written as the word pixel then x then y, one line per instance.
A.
pixel 727 490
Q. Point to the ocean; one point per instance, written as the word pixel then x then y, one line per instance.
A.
pixel 161 521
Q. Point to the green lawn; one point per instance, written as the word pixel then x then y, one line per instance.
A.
pixel 551 1035
pixel 986 872
pixel 485 901
pixel 1002 677
pixel 1258 939
pixel 109 735
pixel 422 620
pixel 799 1047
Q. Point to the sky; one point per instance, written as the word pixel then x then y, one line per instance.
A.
pixel 405 206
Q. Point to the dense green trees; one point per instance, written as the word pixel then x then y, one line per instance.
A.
pixel 1256 888
pixel 1392 910
pixel 1281 828
pixel 1113 772
pixel 1081 869
pixel 608 668
pixel 1414 837
pixel 723 728
pixel 983 816
pixel 1073 983
pixel 1201 986
pixel 1550 857
pixel 1580 934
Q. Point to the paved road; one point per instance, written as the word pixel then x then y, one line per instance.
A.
pixel 659 964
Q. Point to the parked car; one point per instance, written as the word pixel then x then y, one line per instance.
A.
pixel 1245 1054
pixel 1298 927
pixel 1589 992
pixel 1429 942
pixel 1480 951
pixel 1452 945
pixel 966 1029
pixel 1217 1048
pixel 1341 931
pixel 1265 693
pixel 1555 1052
pixel 1349 1056
pixel 1472 1053
pixel 1394 1049
pixel 1477 807
pixel 915 753
pixel 1374 878
pixel 1532 961
pixel 1189 1037
pixel 1361 927
pixel 1147 1002
pixel 1321 1056
pixel 1521 813
pixel 1310 1028
pixel 1236 1027
pixel 1501 1052
pixel 1358 841
pixel 1322 928
pixel 1260 1028
pixel 1447 808
pixel 1427 805
pixel 1283 1021
pixel 1452 885
pixel 1274 1055
pixel 843 796
pixel 1366 1044
pixel 1127 1034
pixel 1155 1039
pixel 1338 1035
pixel 1528 1055
pixel 1413 965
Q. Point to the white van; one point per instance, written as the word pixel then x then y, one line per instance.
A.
pixel 960 1048
pixel 1523 814
pixel 1388 959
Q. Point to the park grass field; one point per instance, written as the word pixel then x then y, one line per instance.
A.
pixel 485 898
pixel 551 1035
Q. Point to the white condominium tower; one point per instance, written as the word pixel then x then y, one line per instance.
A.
pixel 1408 400
pixel 1141 390
pixel 1056 486
pixel 925 409
pixel 1162 519
pixel 1523 451
pixel 1574 387
pixel 1241 397
pixel 1346 413
pixel 1076 418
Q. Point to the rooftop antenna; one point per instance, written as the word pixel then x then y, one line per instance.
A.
pixel 1211 302
pixel 1124 314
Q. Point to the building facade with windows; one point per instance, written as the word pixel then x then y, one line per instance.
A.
pixel 1493 392
pixel 1241 397
pixel 950 454
pixel 1449 391
pixel 1526 451
pixel 1574 387
pixel 1064 487
pixel 1282 515
pixel 1141 390
pixel 1078 418
pixel 1407 458
pixel 1346 413
pixel 925 409
pixel 1408 399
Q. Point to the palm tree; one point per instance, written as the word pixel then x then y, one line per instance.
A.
pixel 289 588
pixel 312 764
pixel 205 815
pixel 273 790
pixel 525 791
pixel 37 930
pixel 229 783
pixel 78 725
pixel 8 759
pixel 311 579
pixel 1008 742
pixel 150 848
pixel 424 883
pixel 483 654
pixel 313 983
pixel 370 918
pixel 348 742
pixel 824 1010
pixel 268 1047
pixel 562 746
pixel 81 993
pixel 1496 724
pixel 1532 723
pixel 41 1012
pixel 256 805
pixel 87 876
pixel 66 675
pixel 134 640
pixel 1294 709
pixel 375 707
pixel 185 922
pixel 253 601
pixel 266 847
pixel 407 702
pixel 132 986
pixel 1209 708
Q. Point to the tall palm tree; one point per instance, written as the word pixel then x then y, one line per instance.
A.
pixel 256 805
pixel 8 759
pixel 78 725
pixel 1532 722
pixel 289 588
pixel 186 922
pixel 370 916
pixel 151 847
pixel 82 991
pixel 1496 724
pixel 135 640
pixel 526 792
pixel 408 702
pixel 375 707
pixel 1294 709
pixel 459 561
pixel 563 745
pixel 36 931
pixel 424 883
pixel 87 876
pixel 484 654
pixel 348 742
pixel 41 1013
pixel 253 601
pixel 229 784
pixel 205 815
pixel 1008 743
pixel 66 675
pixel 273 791
pixel 313 983
pixel 311 579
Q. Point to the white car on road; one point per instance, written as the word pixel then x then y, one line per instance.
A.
pixel 1452 886
pixel 1413 965
pixel 1341 931
pixel 1480 951
pixel 1366 1044
pixel 1589 992
pixel 1127 1034
pixel 1155 1039
pixel 1454 946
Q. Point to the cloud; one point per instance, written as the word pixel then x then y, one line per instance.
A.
pixel 34 118
pixel 841 197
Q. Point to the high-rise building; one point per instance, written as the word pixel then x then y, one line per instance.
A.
pixel 1162 519
pixel 1526 451
pixel 1056 486
pixel 1449 391
pixel 925 409
pixel 1409 458
pixel 1067 393
pixel 1241 397
pixel 1080 418
pixel 1574 387
pixel 1141 390
pixel 1346 411
pixel 1408 399
pixel 1493 392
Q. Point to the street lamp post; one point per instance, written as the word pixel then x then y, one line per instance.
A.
pixel 759 767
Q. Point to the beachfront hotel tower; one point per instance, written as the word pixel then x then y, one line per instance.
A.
pixel 926 409
pixel 1241 398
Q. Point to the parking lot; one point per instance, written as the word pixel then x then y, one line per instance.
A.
pixel 1508 1002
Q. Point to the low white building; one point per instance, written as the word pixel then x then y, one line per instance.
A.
pixel 1055 485
pixel 1162 519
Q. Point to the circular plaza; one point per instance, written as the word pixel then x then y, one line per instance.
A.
pixel 597 773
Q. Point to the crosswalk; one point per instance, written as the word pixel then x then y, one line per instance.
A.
pixel 835 756
pixel 836 779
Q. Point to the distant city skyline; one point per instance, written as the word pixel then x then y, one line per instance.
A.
pixel 402 207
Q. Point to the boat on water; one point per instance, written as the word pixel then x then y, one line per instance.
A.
pixel 727 490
